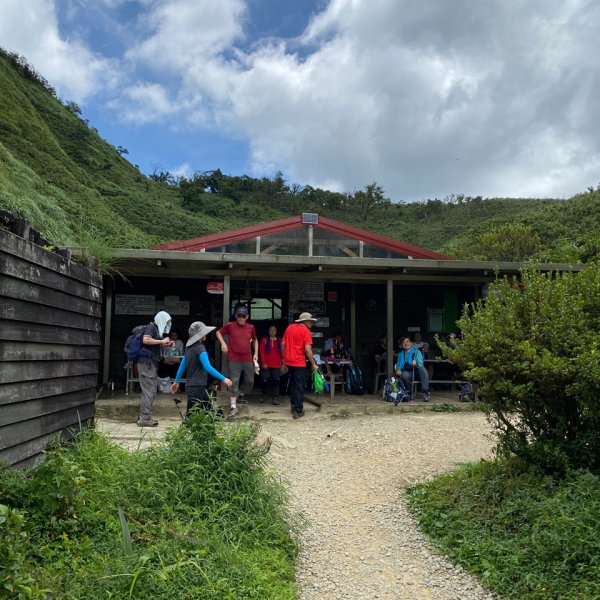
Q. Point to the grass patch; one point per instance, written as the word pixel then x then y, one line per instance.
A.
pixel 524 534
pixel 197 516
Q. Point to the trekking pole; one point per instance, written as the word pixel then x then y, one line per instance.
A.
pixel 412 383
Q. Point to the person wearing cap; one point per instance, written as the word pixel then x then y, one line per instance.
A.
pixel 241 358
pixel 196 364
pixel 297 347
pixel 152 340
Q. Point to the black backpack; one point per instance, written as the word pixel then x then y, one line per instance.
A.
pixel 354 381
pixel 134 347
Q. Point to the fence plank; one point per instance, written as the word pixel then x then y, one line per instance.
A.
pixel 46 333
pixel 17 246
pixel 26 371
pixel 32 313
pixel 32 292
pixel 16 433
pixel 11 393
pixel 20 351
pixel 30 409
pixel 14 266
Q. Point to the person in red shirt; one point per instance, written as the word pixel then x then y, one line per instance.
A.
pixel 297 347
pixel 271 357
pixel 241 357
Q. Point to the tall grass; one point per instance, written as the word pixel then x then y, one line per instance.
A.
pixel 198 516
pixel 526 535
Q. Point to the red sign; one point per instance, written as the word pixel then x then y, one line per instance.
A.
pixel 331 296
pixel 215 287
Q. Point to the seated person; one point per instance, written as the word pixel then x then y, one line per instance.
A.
pixel 418 342
pixel 426 352
pixel 410 361
pixel 171 356
pixel 334 350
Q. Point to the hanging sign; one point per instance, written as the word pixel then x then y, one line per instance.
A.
pixel 132 304
pixel 215 287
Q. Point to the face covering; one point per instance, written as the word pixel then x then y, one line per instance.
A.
pixel 163 322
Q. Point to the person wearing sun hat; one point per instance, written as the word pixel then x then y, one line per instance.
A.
pixel 196 364
pixel 297 347
pixel 241 349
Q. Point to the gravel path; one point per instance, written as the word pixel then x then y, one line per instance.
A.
pixel 360 541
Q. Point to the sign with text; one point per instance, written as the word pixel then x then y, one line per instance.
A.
pixel 307 291
pixel 132 304
pixel 215 287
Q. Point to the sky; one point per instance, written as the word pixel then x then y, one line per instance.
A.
pixel 495 98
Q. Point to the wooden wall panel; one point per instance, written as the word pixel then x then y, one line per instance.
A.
pixel 50 318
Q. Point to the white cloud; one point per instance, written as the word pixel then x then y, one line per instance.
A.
pixel 31 29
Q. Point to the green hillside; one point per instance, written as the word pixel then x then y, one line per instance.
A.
pixel 57 172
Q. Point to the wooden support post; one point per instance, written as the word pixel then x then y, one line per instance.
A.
pixel 390 328
pixel 109 289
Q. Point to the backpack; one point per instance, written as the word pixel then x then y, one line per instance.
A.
pixel 395 390
pixel 468 392
pixel 354 382
pixel 134 347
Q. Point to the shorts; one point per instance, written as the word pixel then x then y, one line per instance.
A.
pixel 235 372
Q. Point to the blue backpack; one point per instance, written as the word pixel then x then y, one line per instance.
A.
pixel 134 347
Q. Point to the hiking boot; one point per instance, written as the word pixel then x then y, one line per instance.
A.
pixel 147 423
pixel 261 400
pixel 232 414
pixel 242 399
pixel 426 397
pixel 297 414
pixel 276 401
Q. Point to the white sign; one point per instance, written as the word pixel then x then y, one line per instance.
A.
pixel 131 304
pixel 322 322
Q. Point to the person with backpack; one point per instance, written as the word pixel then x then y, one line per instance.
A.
pixel 410 360
pixel 196 364
pixel 271 360
pixel 152 339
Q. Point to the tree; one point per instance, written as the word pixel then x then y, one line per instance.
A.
pixel 534 348
pixel 513 243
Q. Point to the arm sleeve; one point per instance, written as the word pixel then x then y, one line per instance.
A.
pixel 399 362
pixel 209 368
pixel 181 370
pixel 263 350
pixel 419 358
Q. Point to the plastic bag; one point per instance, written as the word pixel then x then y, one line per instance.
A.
pixel 318 381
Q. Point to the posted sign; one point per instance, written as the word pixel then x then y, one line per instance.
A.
pixel 215 287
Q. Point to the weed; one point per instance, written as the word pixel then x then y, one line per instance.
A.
pixel 444 407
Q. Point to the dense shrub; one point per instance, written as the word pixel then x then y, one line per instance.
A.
pixel 198 516
pixel 534 348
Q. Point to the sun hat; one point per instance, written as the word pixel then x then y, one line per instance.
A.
pixel 197 331
pixel 305 316
pixel 241 310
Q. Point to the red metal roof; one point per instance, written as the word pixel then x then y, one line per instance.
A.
pixel 244 233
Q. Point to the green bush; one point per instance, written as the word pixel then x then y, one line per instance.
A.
pixel 526 535
pixel 534 349
pixel 197 516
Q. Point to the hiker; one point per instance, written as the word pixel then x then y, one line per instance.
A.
pixel 410 360
pixel 271 359
pixel 152 341
pixel 196 364
pixel 297 347
pixel 241 335
pixel 171 357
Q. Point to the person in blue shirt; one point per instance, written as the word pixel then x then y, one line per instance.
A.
pixel 410 360
pixel 196 364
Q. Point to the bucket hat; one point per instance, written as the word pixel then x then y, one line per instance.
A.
pixel 305 316
pixel 197 331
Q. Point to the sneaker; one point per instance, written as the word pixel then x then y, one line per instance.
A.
pixel 261 400
pixel 242 399
pixel 232 414
pixel 276 401
pixel 147 423
pixel 426 397
pixel 297 415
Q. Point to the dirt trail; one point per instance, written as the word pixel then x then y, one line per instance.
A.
pixel 361 541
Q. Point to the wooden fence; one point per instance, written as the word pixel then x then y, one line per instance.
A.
pixel 50 316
